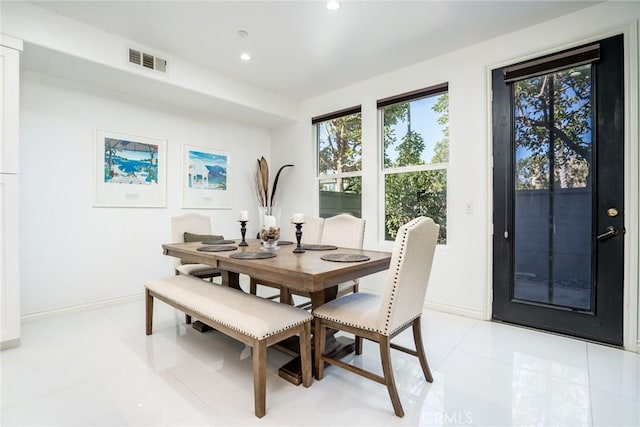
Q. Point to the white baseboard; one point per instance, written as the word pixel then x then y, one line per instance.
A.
pixel 44 314
pixel 455 309
pixel 447 308
pixel 40 315
pixel 5 345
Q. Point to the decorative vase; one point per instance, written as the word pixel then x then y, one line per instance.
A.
pixel 269 227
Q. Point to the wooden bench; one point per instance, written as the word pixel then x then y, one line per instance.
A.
pixel 255 321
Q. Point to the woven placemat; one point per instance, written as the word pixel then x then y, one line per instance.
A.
pixel 252 255
pixel 219 242
pixel 216 248
pixel 345 257
pixel 319 247
pixel 284 242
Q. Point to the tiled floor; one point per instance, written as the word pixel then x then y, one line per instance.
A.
pixel 98 368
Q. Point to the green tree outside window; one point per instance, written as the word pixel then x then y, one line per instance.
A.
pixel 339 164
pixel 416 170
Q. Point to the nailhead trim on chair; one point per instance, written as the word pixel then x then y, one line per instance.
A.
pixel 402 302
pixel 358 325
pixel 401 253
pixel 385 329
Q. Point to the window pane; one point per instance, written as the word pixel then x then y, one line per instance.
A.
pixel 553 215
pixel 554 107
pixel 409 195
pixel 417 132
pixel 339 145
pixel 341 195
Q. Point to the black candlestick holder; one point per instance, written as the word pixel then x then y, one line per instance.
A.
pixel 243 231
pixel 298 249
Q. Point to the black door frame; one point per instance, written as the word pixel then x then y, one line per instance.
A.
pixel 606 325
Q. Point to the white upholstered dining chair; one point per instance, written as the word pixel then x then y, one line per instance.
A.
pixel 344 231
pixel 379 318
pixel 194 224
pixel 311 230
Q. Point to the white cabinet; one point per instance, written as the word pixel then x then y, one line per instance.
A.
pixel 9 280
pixel 9 240
pixel 9 107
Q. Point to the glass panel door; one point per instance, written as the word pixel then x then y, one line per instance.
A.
pixel 558 189
pixel 553 133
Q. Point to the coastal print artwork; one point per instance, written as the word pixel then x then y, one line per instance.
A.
pixel 207 170
pixel 206 178
pixel 130 170
pixel 130 162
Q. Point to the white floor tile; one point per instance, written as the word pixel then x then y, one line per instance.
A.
pixel 457 328
pixel 490 391
pixel 614 371
pixel 203 417
pixel 99 368
pixel 613 410
pixel 560 357
pixel 85 403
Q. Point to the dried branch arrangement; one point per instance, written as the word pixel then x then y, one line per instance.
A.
pixel 266 198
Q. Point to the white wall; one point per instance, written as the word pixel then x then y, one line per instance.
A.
pixel 72 253
pixel 57 126
pixel 226 95
pixel 461 278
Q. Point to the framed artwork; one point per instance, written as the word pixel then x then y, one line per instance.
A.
pixel 206 177
pixel 130 170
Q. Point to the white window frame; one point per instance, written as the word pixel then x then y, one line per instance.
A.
pixel 326 177
pixel 403 169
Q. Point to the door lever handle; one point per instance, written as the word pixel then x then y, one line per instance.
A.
pixel 611 231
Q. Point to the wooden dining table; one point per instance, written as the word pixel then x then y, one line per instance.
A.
pixel 305 271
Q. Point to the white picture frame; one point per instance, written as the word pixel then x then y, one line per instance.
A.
pixel 129 170
pixel 206 178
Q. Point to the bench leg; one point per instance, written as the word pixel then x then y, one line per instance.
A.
pixel 260 377
pixel 305 354
pixel 187 319
pixel 149 311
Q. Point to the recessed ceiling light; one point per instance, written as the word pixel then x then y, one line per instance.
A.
pixel 333 5
pixel 245 57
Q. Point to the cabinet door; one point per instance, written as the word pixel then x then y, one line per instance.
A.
pixel 9 140
pixel 9 109
pixel 9 286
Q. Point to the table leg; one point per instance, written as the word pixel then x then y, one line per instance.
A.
pixel 335 347
pixel 231 279
pixel 320 297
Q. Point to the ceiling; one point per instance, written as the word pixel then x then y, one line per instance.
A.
pixel 301 49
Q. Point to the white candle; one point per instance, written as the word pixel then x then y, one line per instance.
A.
pixel 269 221
pixel 244 215
pixel 298 218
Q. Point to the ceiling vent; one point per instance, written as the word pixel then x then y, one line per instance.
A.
pixel 147 60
